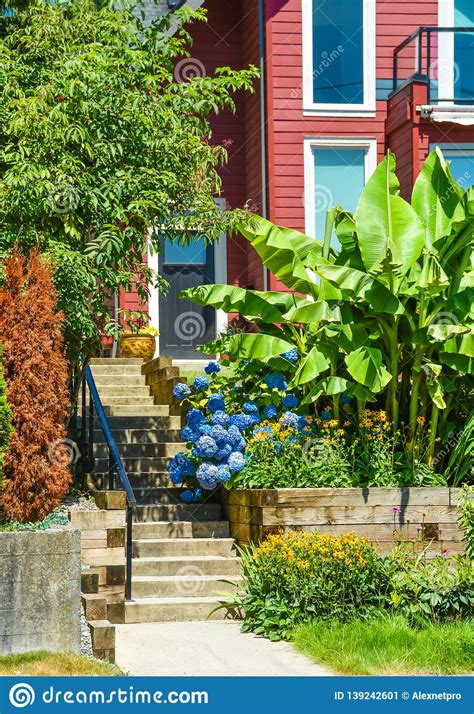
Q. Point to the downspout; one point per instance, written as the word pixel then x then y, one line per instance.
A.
pixel 263 117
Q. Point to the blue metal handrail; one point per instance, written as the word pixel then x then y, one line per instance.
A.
pixel 115 461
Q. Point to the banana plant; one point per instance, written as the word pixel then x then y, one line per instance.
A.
pixel 389 317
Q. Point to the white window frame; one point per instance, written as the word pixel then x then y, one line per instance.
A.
pixel 368 107
pixel 370 147
pixel 220 276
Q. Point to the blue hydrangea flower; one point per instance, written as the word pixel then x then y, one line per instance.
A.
pixel 276 380
pixel 207 474
pixel 220 418
pixel 303 422
pixel 254 419
pixel 219 434
pixel 205 429
pixel 223 452
pixel 290 401
pixel 241 421
pixel 289 419
pixel 191 496
pixel 291 356
pixel 195 418
pixel 180 467
pixel 236 462
pixel 270 411
pixel 206 447
pixel 250 407
pixel 215 403
pixel 234 435
pixel 188 434
pixel 181 391
pixel 223 473
pixel 326 415
pixel 200 384
pixel 212 368
pixel 345 399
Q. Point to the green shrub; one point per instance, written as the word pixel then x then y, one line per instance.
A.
pixel 430 590
pixel 466 518
pixel 296 577
pixel 5 417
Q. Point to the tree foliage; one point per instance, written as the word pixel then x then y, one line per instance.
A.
pixel 5 417
pixel 35 466
pixel 103 146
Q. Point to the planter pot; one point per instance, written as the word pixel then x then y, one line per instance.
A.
pixel 141 345
pixel 40 591
pixel 423 516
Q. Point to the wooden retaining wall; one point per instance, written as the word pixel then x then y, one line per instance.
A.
pixel 424 516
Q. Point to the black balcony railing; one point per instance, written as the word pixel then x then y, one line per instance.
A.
pixel 441 56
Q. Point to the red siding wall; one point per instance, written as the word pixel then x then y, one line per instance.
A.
pixel 288 127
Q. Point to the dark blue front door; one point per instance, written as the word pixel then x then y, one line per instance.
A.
pixel 183 324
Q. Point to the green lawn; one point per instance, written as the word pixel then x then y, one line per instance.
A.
pixel 46 664
pixel 389 646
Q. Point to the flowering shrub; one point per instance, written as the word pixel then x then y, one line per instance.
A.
pixel 296 577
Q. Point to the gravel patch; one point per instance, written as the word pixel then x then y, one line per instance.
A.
pixel 86 641
pixel 77 503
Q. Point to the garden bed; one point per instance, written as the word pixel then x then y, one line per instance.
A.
pixel 428 517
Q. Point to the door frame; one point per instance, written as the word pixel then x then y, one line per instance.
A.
pixel 220 276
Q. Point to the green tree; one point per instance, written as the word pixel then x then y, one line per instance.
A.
pixel 103 147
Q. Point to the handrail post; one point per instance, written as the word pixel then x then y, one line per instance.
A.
pixel 129 553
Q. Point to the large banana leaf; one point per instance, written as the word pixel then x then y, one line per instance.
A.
pixel 387 226
pixel 283 251
pixel 233 299
pixel 316 312
pixel 436 196
pixel 284 301
pixel 362 286
pixel 312 366
pixel 366 366
pixel 458 353
pixel 257 346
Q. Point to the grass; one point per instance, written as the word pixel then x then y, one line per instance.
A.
pixel 389 646
pixel 47 664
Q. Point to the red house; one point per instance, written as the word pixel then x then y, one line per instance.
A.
pixel 342 82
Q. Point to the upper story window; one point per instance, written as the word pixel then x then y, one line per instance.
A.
pixel 339 57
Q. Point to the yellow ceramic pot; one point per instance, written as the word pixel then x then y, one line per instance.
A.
pixel 137 345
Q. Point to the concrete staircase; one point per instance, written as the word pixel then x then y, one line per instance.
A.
pixel 180 551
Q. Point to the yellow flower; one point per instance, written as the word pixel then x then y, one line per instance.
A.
pixel 420 420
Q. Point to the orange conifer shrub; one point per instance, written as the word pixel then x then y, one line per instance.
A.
pixel 36 371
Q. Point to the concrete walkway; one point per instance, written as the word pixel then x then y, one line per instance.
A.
pixel 206 649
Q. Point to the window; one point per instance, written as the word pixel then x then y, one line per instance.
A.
pixel 339 57
pixel 456 52
pixel 336 171
pixel 461 158
pixel 190 254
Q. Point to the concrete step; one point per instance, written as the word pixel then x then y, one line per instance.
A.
pixel 186 585
pixel 162 495
pixel 111 361
pixel 138 464
pixel 120 390
pixel 198 565
pixel 168 547
pixel 119 378
pixel 124 400
pixel 139 422
pixel 127 450
pixel 153 480
pixel 178 512
pixel 181 529
pixel 174 609
pixel 141 436
pixel 136 411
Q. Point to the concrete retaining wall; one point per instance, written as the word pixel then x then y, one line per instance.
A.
pixel 40 591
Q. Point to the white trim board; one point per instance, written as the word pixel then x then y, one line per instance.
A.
pixel 367 109
pixel 370 145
